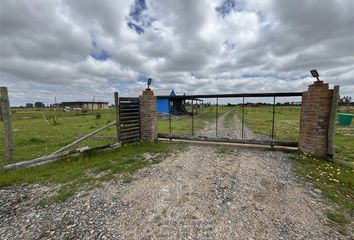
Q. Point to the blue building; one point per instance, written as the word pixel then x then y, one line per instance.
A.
pixel 176 106
pixel 163 103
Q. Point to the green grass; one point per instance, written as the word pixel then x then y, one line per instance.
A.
pixel 36 113
pixel 34 138
pixel 336 183
pixel 182 125
pixel 286 123
pixel 89 169
pixel 259 120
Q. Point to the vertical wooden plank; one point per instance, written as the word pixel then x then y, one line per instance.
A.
pixel 6 118
pixel 332 122
pixel 116 105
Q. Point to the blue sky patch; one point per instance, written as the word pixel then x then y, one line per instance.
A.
pixel 137 20
pixel 137 9
pixel 138 29
pixel 272 75
pixel 229 45
pixel 142 78
pixel 100 55
pixel 258 75
pixel 228 5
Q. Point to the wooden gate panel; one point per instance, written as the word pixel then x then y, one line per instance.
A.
pixel 129 119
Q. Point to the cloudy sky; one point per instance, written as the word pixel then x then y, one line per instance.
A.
pixel 77 49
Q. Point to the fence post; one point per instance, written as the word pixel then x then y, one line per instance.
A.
pixel 192 118
pixel 6 118
pixel 116 105
pixel 243 117
pixel 332 122
pixel 169 123
pixel 148 115
pixel 315 119
pixel 217 117
pixel 273 118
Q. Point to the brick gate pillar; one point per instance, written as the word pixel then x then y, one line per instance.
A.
pixel 148 115
pixel 318 110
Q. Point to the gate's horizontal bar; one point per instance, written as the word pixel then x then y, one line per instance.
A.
pixel 129 127
pixel 130 141
pixel 245 141
pixel 128 121
pixel 129 117
pixel 280 94
pixel 129 101
pixel 124 106
pixel 131 130
pixel 129 110
pixel 129 114
pixel 128 98
pixel 128 135
pixel 127 124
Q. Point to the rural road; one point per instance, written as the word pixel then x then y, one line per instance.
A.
pixel 201 192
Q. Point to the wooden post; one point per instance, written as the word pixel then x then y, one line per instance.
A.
pixel 116 104
pixel 332 122
pixel 6 118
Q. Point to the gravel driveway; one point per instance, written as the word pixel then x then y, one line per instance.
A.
pixel 230 131
pixel 202 192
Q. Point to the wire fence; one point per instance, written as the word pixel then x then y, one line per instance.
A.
pixel 40 128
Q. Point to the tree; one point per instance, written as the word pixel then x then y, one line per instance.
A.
pixel 346 100
pixel 39 105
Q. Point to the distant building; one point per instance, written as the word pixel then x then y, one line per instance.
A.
pixel 29 105
pixel 175 106
pixel 85 105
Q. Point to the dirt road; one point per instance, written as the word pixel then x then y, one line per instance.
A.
pixel 232 130
pixel 202 192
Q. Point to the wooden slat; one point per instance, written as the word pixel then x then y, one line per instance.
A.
pixel 127 108
pixel 124 105
pixel 132 134
pixel 130 110
pixel 129 125
pixel 128 98
pixel 129 119
pixel 129 114
pixel 137 129
pixel 129 101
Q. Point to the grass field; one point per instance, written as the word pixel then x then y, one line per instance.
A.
pixel 90 169
pixel 336 183
pixel 259 120
pixel 183 124
pixel 286 121
pixel 33 137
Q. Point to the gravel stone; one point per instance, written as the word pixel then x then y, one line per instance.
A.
pixel 197 193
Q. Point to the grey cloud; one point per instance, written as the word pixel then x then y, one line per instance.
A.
pixel 46 45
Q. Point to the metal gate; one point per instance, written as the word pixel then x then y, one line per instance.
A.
pixel 129 120
pixel 251 118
